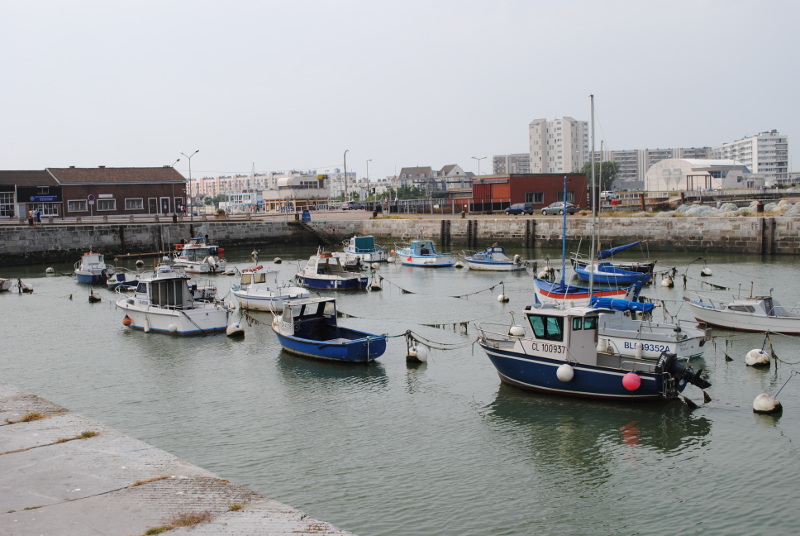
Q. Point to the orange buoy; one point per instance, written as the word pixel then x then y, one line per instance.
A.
pixel 178 246
pixel 127 321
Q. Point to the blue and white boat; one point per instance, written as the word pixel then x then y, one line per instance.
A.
pixel 260 290
pixel 608 274
pixel 92 268
pixel 494 258
pixel 555 351
pixel 326 272
pixel 124 279
pixel 561 292
pixel 309 327
pixel 422 253
pixel 365 250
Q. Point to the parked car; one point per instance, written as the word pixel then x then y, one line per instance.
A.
pixel 606 194
pixel 558 208
pixel 520 208
pixel 352 205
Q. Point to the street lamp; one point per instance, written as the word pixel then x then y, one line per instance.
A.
pixel 368 161
pixel 189 156
pixel 345 174
pixel 174 208
pixel 479 162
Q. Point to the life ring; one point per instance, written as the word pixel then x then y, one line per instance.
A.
pixel 326 254
pixel 178 246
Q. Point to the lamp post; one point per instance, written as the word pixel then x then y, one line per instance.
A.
pixel 368 190
pixel 174 208
pixel 189 157
pixel 345 174
pixel 479 162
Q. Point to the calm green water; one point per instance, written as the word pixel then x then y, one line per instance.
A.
pixel 440 448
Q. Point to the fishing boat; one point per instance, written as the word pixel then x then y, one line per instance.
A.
pixel 626 328
pixel 555 351
pixel 423 253
pixel 494 258
pixel 164 302
pixel 124 278
pixel 632 266
pixel 199 257
pixel 309 327
pixel 365 250
pixel 5 284
pixel 325 271
pixel 259 290
pixel 608 274
pixel 754 313
pixel 92 268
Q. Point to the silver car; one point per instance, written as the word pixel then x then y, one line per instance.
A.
pixel 558 208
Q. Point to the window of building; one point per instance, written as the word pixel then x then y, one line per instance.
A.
pixel 106 204
pixel 77 205
pixel 136 203
pixel 537 198
pixel 6 203
pixel 42 190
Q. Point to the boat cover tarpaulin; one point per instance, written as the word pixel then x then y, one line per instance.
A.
pixel 618 304
pixel 606 253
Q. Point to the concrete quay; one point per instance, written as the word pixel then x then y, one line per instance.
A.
pixel 64 474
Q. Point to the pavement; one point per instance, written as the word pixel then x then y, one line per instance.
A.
pixel 64 474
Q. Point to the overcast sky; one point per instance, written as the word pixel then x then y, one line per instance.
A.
pixel 292 84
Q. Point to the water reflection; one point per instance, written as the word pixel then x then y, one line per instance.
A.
pixel 298 372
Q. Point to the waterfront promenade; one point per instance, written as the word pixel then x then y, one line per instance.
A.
pixel 64 475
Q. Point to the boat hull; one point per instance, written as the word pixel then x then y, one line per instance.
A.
pixel 354 283
pixel 266 302
pixel 494 266
pixel 429 261
pixel 90 278
pixel 351 346
pixel 553 292
pixel 539 374
pixel 198 321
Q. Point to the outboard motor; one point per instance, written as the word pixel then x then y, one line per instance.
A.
pixel 669 363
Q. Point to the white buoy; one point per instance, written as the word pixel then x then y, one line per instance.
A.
pixel 146 327
pixel 766 404
pixel 516 331
pixel 757 358
pixel 375 265
pixel 50 271
pixel 502 298
pixel 705 272
pixel 139 262
pixel 565 373
pixel 234 330
pixel 417 354
pixel 667 282
pixel 459 264
pixel 375 286
pixel 172 328
pixel 639 349
pixel 277 260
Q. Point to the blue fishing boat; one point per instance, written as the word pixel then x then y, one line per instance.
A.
pixel 608 274
pixel 309 327
pixel 422 253
pixel 92 268
pixel 325 271
pixel 555 351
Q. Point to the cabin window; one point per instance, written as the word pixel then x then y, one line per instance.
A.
pixel 577 324
pixel 743 308
pixel 549 328
pixel 260 277
pixel 590 322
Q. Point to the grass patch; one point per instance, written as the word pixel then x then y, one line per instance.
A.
pixel 235 507
pixel 190 519
pixel 28 417
pixel 157 530
pixel 142 482
pixel 88 433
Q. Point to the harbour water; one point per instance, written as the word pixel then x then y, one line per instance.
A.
pixel 438 448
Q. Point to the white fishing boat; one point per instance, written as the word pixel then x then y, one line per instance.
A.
pixel 364 249
pixel 260 290
pixel 494 259
pixel 423 253
pixel 92 268
pixel 164 302
pixel 754 313
pixel 5 284
pixel 199 257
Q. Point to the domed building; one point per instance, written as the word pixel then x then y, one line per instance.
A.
pixel 687 174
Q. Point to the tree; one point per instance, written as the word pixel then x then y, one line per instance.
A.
pixel 605 174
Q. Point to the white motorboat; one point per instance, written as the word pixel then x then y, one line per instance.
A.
pixel 164 302
pixel 259 290
pixel 199 257
pixel 423 253
pixel 755 313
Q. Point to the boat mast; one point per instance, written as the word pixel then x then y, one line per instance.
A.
pixel 564 235
pixel 594 209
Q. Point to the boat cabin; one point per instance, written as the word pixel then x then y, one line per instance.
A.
pixel 257 275
pixel 166 290
pixel 362 244
pixel 423 247
pixel 564 333
pixel 325 263
pixel 309 318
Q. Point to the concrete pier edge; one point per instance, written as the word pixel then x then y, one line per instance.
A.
pixel 65 474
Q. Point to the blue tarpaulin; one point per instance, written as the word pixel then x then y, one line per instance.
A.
pixel 606 253
pixel 620 304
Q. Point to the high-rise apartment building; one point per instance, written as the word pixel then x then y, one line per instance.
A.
pixel 766 154
pixel 508 164
pixel 559 146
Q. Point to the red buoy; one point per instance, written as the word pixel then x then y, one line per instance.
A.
pixel 127 321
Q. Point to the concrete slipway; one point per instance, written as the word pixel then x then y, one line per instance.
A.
pixel 65 475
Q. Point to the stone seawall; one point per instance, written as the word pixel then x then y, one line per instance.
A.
pixel 21 244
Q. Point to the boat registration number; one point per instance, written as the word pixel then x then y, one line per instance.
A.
pixel 647 347
pixel 547 347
